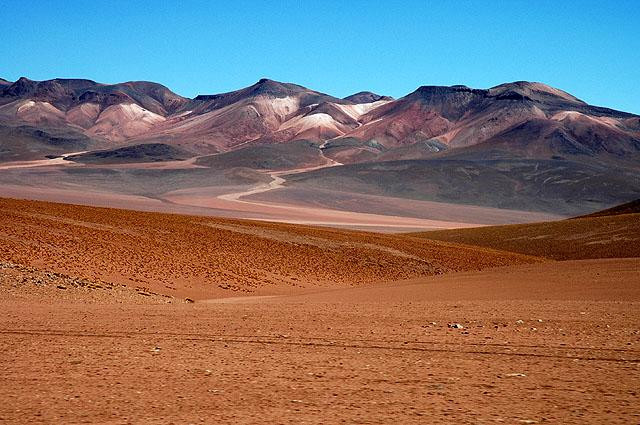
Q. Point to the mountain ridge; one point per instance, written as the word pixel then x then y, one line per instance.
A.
pixel 269 111
pixel 465 133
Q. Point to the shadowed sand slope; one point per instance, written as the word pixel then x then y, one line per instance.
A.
pixel 614 236
pixel 632 207
pixel 206 257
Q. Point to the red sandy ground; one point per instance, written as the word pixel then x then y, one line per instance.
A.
pixel 203 257
pixel 606 236
pixel 361 355
pixel 541 342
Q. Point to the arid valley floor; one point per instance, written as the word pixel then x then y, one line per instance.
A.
pixel 319 213
pixel 116 316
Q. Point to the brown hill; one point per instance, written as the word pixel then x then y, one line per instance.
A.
pixel 200 257
pixel 151 152
pixel 632 207
pixel 606 236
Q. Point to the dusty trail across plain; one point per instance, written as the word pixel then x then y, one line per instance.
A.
pixel 289 213
pixel 59 160
pixel 382 214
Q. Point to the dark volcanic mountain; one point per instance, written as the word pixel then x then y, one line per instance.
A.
pixel 366 97
pixel 535 146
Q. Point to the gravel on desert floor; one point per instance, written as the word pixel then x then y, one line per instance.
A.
pixel 557 342
pixel 206 257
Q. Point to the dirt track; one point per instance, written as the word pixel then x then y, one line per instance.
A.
pixel 546 343
pixel 50 180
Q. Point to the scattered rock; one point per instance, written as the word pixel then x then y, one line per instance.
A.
pixel 455 326
pixel 189 300
pixel 519 322
pixel 61 287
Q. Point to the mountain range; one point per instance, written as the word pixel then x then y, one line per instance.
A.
pixel 521 145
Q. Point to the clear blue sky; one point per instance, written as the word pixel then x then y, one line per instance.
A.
pixel 589 48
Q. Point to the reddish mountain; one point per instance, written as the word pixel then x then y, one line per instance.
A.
pixel 520 145
pixel 366 97
pixel 528 117
pixel 518 114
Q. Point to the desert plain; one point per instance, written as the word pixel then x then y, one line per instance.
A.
pixel 316 220
pixel 117 316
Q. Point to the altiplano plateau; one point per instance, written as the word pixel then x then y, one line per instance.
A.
pixel 300 213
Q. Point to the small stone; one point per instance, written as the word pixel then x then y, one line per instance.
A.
pixel 519 322
pixel 61 287
pixel 188 300
pixel 455 326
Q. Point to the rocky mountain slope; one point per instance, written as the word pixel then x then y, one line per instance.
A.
pixel 517 145
pixel 530 118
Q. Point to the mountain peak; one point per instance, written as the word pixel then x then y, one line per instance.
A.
pixel 276 88
pixel 23 86
pixel 531 90
pixel 458 88
pixel 366 97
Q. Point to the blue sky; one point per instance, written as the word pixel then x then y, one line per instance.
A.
pixel 590 49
